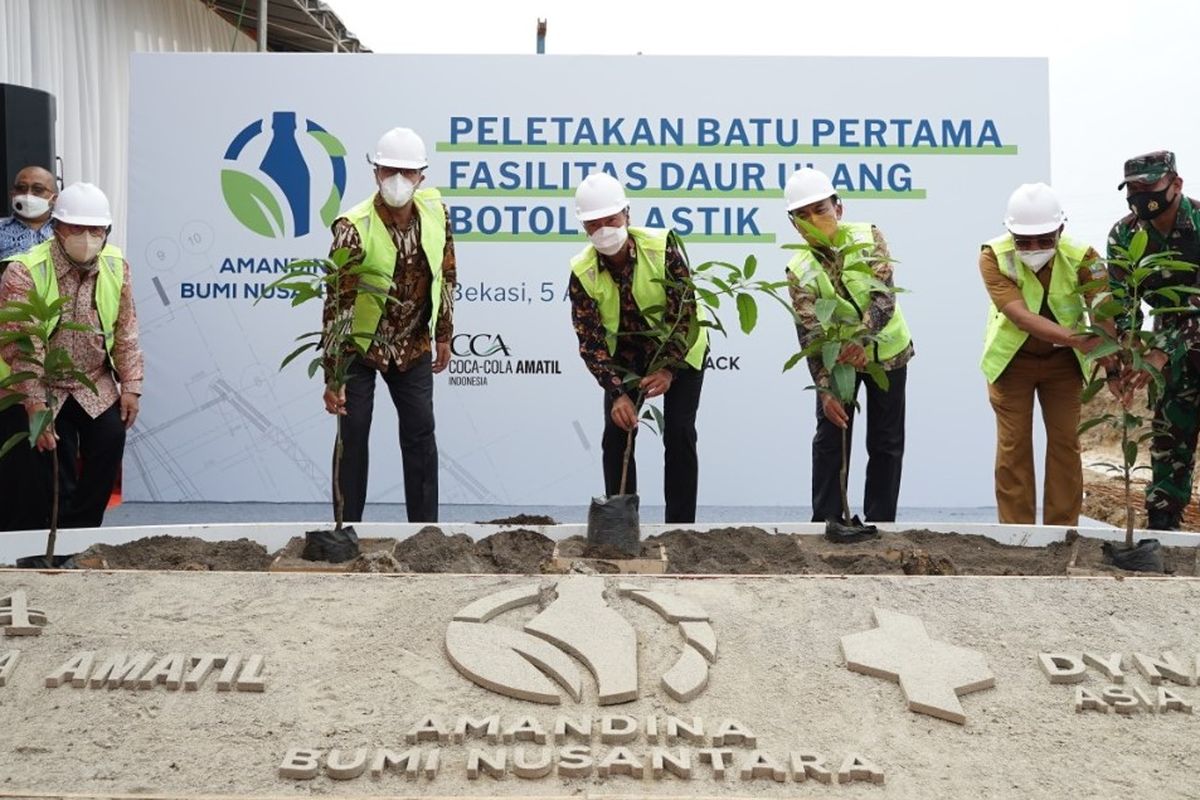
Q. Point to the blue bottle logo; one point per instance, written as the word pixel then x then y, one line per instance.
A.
pixel 276 199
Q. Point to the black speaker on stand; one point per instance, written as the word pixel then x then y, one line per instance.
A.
pixel 26 132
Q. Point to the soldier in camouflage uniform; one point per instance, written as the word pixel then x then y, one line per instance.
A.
pixel 1171 220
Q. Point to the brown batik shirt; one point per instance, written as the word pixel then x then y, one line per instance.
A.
pixel 402 337
pixel 877 314
pixel 634 352
pixel 86 348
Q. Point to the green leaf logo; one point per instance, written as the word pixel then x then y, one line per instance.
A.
pixel 252 203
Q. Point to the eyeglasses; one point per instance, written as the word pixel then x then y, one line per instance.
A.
pixel 32 188
pixel 1047 242
pixel 71 229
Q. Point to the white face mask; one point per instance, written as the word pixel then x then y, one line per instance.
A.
pixel 397 190
pixel 83 247
pixel 608 240
pixel 30 206
pixel 1036 259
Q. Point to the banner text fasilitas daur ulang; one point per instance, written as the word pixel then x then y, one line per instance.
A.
pixel 514 176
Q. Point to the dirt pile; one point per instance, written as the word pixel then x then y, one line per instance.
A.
pixel 733 551
pixel 507 552
pixel 181 553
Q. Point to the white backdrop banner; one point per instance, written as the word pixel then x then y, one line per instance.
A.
pixel 238 164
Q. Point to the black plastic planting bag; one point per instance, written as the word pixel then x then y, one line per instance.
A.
pixel 332 546
pixel 1145 557
pixel 613 521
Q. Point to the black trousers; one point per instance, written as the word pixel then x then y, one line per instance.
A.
pixel 89 457
pixel 681 464
pixel 412 395
pixel 885 452
pixel 24 498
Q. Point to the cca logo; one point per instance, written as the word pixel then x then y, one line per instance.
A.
pixel 285 178
pixel 535 662
pixel 480 345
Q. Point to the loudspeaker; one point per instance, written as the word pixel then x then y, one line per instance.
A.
pixel 26 131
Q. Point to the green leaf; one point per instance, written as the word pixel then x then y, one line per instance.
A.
pixel 1104 349
pixel 829 354
pixel 751 266
pixel 295 353
pixel 709 297
pixel 747 312
pixel 38 424
pixel 1138 246
pixel 843 377
pixel 1091 389
pixel 1131 453
pixel 1089 424
pixel 792 361
pixel 824 309
pixel 659 422
pixel 879 375
pixel 12 442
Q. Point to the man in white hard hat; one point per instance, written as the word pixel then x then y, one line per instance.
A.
pixel 90 421
pixel 616 276
pixel 1033 347
pixel 820 272
pixel 400 236
pixel 31 197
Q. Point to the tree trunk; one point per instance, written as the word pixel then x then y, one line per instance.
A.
pixel 844 475
pixel 637 407
pixel 50 540
pixel 1128 485
pixel 625 459
pixel 339 502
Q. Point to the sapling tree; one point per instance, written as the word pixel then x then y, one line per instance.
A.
pixel 840 325
pixel 30 324
pixel 334 346
pixel 706 286
pixel 1115 315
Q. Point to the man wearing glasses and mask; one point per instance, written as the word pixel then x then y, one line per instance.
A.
pixel 98 329
pixel 1154 192
pixel 31 197
pixel 400 236
pixel 1032 347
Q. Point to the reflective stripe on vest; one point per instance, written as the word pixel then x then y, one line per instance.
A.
pixel 1003 338
pixel 895 337
pixel 379 260
pixel 648 270
pixel 110 276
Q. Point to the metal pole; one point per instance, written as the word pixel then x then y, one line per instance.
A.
pixel 541 37
pixel 262 26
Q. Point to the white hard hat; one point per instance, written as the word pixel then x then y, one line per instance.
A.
pixel 1033 209
pixel 401 148
pixel 599 196
pixel 807 186
pixel 82 204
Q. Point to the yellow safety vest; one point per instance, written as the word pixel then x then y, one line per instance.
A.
pixel 895 337
pixel 110 277
pixel 649 270
pixel 379 259
pixel 1003 338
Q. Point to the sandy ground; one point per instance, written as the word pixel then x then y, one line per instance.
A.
pixel 355 661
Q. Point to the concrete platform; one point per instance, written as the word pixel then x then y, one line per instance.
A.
pixel 244 684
